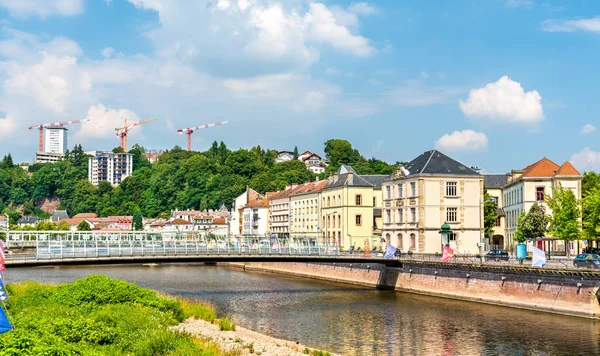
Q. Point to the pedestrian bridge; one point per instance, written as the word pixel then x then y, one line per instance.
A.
pixel 49 248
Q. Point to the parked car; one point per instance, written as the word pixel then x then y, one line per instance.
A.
pixel 497 255
pixel 587 260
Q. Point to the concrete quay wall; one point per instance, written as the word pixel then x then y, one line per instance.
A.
pixel 571 293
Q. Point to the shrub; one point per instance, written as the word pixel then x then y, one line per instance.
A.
pixel 226 325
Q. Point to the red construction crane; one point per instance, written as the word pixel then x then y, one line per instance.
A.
pixel 190 130
pixel 123 131
pixel 41 127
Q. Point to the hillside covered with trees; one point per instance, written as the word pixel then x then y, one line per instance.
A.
pixel 179 179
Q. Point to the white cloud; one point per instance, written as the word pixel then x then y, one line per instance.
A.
pixel 462 141
pixel 103 121
pixel 527 4
pixel 362 8
pixel 587 129
pixel 323 28
pixel 266 36
pixel 42 8
pixel 505 100
pixel 108 52
pixel 8 125
pixel 586 160
pixel 590 25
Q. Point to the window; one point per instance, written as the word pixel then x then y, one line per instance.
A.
pixel 413 215
pixel 451 214
pixel 339 200
pixel 400 191
pixel 358 220
pixel 388 216
pixel 539 194
pixel 399 242
pixel 498 221
pixel 328 221
pixel 400 215
pixel 358 199
pixel 450 189
pixel 339 221
pixel 413 241
pixel 388 192
pixel 452 237
pixel 374 201
pixel 328 202
pixel 413 189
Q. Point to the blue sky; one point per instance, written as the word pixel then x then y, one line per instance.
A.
pixel 498 84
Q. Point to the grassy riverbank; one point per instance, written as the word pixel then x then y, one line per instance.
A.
pixel 98 315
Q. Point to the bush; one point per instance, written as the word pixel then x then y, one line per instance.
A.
pixel 98 315
pixel 226 325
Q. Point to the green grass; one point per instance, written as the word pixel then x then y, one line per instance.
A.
pixel 98 315
pixel 226 325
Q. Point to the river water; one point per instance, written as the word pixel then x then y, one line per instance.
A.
pixel 352 320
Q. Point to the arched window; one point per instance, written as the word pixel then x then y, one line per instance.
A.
pixel 387 239
pixel 339 221
pixel 328 202
pixel 413 241
pixel 328 221
pixel 339 200
pixel 399 242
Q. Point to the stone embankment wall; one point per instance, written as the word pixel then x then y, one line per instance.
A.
pixel 572 293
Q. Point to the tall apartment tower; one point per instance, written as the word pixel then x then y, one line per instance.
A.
pixel 109 166
pixel 55 140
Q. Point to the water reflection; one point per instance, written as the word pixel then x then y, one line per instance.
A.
pixel 354 320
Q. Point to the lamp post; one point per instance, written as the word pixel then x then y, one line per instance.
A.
pixel 327 226
pixel 445 231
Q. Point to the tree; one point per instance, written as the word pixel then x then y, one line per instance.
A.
pixel 590 181
pixel 138 223
pixel 340 152
pixel 532 225
pixel 591 213
pixel 63 226
pixel 296 154
pixel 564 222
pixel 489 213
pixel 84 226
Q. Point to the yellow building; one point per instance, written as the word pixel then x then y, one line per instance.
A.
pixel 431 190
pixel 347 208
pixel 494 183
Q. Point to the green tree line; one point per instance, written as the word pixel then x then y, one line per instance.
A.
pixel 179 179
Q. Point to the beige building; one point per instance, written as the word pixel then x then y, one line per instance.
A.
pixel 347 208
pixel 279 210
pixel 305 210
pixel 494 183
pixel 534 184
pixel 429 191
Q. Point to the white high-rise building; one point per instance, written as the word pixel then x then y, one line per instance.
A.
pixel 55 140
pixel 109 166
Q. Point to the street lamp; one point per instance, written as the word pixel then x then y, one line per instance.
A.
pixel 445 232
pixel 327 226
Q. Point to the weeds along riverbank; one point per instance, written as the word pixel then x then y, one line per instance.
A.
pixel 98 315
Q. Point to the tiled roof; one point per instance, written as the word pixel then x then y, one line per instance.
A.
pixel 542 168
pixel 286 193
pixel 28 220
pixel 567 169
pixel 73 221
pixel 179 222
pixel 59 215
pixel 264 202
pixel 375 179
pixel 435 162
pixel 494 181
pixel 312 187
pixel 188 213
pixel 219 221
pixel 86 215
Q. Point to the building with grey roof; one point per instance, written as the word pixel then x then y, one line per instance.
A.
pixel 432 190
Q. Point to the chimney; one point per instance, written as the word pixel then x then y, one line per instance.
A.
pixel 350 178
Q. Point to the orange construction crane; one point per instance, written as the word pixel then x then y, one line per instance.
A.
pixel 41 127
pixel 190 130
pixel 123 131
